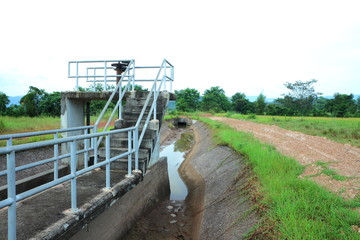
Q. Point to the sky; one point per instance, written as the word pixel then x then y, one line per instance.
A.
pixel 250 47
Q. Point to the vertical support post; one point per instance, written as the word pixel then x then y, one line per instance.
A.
pixel 130 155
pixel 165 76
pixel 77 76
pixel 86 148
pixel 56 156
pixel 94 142
pixel 107 155
pixel 73 174
pixel 172 78
pixel 11 191
pixel 133 75
pixel 94 79
pixel 105 76
pixel 120 103
pixel 136 147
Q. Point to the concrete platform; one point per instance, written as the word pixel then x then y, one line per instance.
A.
pixel 51 209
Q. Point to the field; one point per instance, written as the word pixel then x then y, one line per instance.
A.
pixel 10 125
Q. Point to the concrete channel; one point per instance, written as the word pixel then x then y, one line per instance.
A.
pixel 214 208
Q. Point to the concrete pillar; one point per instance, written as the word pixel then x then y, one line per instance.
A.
pixel 72 115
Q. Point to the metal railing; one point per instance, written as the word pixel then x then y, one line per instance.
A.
pixel 10 151
pixel 90 141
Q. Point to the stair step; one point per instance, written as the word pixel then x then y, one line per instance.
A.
pixel 135 115
pixel 142 101
pixel 143 153
pixel 123 143
pixel 149 133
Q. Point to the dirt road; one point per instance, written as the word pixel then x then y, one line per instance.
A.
pixel 310 151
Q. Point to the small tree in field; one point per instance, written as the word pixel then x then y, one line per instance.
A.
pixel 214 99
pixel 260 104
pixel 302 94
pixel 187 100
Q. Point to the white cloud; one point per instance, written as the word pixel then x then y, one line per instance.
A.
pixel 241 46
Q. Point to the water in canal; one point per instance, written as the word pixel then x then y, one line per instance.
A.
pixel 175 154
pixel 170 219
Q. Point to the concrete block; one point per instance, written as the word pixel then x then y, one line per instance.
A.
pixel 154 124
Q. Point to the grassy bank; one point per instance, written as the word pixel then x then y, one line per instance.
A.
pixel 343 130
pixel 296 208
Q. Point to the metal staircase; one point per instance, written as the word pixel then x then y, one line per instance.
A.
pixel 131 144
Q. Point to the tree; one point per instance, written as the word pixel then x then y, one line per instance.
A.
pixel 260 104
pixel 341 105
pixel 241 104
pixel 31 101
pixel 4 101
pixel 214 99
pixel 303 95
pixel 50 104
pixel 187 100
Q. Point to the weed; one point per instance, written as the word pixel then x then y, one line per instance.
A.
pixel 251 116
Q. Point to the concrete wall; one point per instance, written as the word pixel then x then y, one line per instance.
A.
pixel 117 220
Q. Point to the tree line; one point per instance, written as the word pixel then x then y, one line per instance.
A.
pixel 300 100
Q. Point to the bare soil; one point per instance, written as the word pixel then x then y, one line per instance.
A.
pixel 309 151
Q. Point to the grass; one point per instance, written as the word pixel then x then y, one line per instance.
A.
pixel 342 130
pixel 297 208
pixel 10 125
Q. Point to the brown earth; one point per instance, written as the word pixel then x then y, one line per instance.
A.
pixel 308 151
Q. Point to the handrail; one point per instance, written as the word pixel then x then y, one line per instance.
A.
pixel 134 139
pixel 45 132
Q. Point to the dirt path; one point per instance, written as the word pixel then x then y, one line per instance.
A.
pixel 309 150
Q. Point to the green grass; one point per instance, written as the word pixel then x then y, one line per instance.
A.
pixel 27 124
pixel 298 208
pixel 9 125
pixel 342 130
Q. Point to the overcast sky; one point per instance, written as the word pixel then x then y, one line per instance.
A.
pixel 241 46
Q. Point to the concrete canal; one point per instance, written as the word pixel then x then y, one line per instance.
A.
pixel 170 219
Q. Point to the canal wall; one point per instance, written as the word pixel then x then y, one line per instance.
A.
pixel 116 220
pixel 215 176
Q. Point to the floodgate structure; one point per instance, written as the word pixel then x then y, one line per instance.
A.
pixel 85 190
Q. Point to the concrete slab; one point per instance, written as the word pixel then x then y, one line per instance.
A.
pixel 52 207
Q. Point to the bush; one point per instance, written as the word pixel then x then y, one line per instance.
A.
pixel 251 116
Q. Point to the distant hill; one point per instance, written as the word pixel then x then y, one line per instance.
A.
pixel 14 100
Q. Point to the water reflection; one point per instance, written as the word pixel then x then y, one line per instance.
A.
pixel 175 155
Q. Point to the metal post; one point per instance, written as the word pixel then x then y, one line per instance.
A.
pixel 129 156
pixel 56 156
pixel 105 86
pixel 107 155
pixel 136 147
pixel 94 80
pixel 154 100
pixel 11 181
pixel 77 76
pixel 172 78
pixel 86 153
pixel 165 76
pixel 95 146
pixel 120 103
pixel 73 174
pixel 133 76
